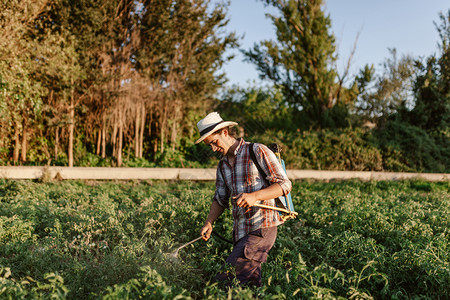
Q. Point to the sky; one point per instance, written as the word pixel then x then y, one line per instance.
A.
pixel 406 25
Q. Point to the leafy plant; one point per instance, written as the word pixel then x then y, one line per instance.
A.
pixel 352 240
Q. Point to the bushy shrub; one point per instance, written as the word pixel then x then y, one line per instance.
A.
pixel 51 288
pixel 346 149
pixel 408 148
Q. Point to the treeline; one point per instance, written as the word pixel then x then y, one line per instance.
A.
pixel 103 76
pixel 100 83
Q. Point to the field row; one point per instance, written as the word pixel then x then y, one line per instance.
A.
pixel 112 240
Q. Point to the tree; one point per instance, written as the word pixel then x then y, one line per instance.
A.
pixel 300 61
pixel 20 98
pixel 260 109
pixel 62 69
pixel 382 96
pixel 91 30
pixel 183 52
pixel 432 85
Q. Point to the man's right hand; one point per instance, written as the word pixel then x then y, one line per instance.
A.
pixel 206 231
pixel 215 211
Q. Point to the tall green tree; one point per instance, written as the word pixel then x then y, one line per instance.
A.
pixel 300 61
pixel 432 85
pixel 63 70
pixel 92 29
pixel 183 43
pixel 21 92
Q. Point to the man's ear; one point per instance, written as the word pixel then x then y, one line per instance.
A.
pixel 225 132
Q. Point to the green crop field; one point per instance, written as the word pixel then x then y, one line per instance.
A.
pixel 111 240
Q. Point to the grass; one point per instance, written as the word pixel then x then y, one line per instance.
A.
pixel 111 240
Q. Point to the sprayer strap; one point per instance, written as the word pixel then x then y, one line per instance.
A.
pixel 264 175
pixel 255 161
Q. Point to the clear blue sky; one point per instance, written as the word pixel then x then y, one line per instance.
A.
pixel 406 25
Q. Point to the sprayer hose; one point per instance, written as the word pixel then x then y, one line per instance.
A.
pixel 221 237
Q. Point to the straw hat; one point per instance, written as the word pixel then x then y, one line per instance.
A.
pixel 210 124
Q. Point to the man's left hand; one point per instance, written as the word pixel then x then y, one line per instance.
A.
pixel 245 200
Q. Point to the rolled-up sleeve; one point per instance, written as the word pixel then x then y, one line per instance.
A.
pixel 272 167
pixel 222 195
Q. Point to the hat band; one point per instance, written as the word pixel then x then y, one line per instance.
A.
pixel 208 129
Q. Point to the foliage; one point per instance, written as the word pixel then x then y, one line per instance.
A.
pixel 431 151
pixel 20 93
pixel 109 240
pixel 346 149
pixel 52 288
pixel 300 62
pixel 388 93
pixel 432 107
pixel 108 71
pixel 260 109
pixel 432 86
pixel 386 149
pixel 184 43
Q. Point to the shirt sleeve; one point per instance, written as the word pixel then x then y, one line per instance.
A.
pixel 272 167
pixel 222 195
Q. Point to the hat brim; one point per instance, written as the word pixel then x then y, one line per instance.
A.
pixel 218 127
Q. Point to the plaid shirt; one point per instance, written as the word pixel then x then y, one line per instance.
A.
pixel 244 177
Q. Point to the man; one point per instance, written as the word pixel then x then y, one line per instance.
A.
pixel 239 181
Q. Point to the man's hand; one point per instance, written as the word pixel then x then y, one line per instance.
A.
pixel 245 200
pixel 215 211
pixel 206 231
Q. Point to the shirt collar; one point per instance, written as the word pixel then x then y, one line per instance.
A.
pixel 239 147
pixel 237 150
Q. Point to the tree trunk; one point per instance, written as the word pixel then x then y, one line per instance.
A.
pixel 71 127
pixel 104 139
pixel 99 141
pixel 16 144
pixel 114 138
pixel 150 123
pixel 155 145
pixel 102 133
pixel 136 131
pixel 23 149
pixel 141 140
pixel 56 142
pixel 162 139
pixel 163 126
pixel 2 135
pixel 119 148
pixel 174 134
